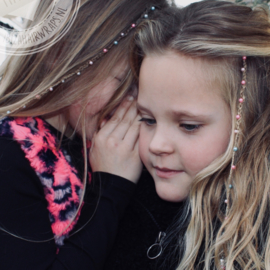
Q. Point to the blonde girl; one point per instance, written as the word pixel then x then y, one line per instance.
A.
pixel 51 103
pixel 204 101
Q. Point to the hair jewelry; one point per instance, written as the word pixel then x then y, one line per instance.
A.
pixel 94 59
pixel 235 148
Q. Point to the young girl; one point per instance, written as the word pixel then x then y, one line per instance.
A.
pixel 204 101
pixel 50 106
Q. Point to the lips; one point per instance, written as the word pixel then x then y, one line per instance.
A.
pixel 166 172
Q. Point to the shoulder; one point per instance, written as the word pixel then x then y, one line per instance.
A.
pixel 10 152
pixel 16 174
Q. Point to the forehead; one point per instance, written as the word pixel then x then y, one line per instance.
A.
pixel 173 70
pixel 175 80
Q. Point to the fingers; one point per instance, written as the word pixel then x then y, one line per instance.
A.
pixel 132 134
pixel 127 121
pixel 117 117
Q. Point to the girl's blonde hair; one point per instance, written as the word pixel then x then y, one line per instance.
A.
pixel 98 23
pixel 221 33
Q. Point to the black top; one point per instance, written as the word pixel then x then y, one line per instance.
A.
pixel 145 217
pixel 23 212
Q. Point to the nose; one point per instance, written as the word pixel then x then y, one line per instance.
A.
pixel 161 143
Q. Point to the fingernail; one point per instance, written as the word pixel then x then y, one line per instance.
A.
pixel 102 123
pixel 130 98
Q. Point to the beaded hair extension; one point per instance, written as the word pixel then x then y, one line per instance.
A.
pixel 235 148
pixel 91 61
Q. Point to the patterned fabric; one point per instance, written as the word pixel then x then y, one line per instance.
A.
pixel 62 186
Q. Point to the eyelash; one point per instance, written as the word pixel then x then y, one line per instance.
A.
pixel 118 79
pixel 188 127
pixel 147 120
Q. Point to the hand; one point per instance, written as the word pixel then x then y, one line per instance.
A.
pixel 115 146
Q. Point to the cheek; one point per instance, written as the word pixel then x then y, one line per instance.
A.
pixel 206 151
pixel 100 95
pixel 74 114
pixel 144 141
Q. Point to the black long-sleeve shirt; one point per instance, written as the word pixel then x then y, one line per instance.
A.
pixel 23 212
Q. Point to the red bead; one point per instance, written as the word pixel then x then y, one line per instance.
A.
pixel 243 82
pixel 241 100
pixel 133 25
pixel 244 57
pixel 105 50
pixel 233 167
pixel 238 116
pixel 38 97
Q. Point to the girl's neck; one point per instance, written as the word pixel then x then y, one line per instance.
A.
pixel 60 123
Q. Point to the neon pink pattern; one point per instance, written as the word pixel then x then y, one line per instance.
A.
pixel 62 186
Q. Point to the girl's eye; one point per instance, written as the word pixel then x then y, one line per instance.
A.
pixel 148 121
pixel 118 79
pixel 189 127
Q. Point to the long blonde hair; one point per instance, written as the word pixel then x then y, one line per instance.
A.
pixel 222 32
pixel 97 24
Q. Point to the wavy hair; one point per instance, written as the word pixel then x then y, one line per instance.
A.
pixel 97 24
pixel 220 33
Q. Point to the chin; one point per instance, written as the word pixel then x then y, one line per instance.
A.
pixel 171 194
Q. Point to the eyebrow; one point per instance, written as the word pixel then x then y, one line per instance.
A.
pixel 177 114
pixel 141 108
pixel 189 115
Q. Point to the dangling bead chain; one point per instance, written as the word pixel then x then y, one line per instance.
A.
pixel 235 148
pixel 91 61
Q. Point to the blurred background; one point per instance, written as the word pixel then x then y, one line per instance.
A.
pixel 13 21
pixel 183 2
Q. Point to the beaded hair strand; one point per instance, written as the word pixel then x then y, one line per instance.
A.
pixel 235 148
pixel 91 61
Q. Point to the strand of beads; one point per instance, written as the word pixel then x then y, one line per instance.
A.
pixel 89 62
pixel 235 148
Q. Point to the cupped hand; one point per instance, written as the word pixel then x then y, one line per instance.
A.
pixel 115 146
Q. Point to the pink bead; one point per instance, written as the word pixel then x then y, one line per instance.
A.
pixel 243 69
pixel 226 201
pixel 105 50
pixel 236 131
pixel 243 82
pixel 233 167
pixel 241 100
pixel 38 97
pixel 91 63
pixel 244 57
pixel 133 25
pixel 238 116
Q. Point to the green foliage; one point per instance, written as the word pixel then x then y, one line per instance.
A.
pixel 253 3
